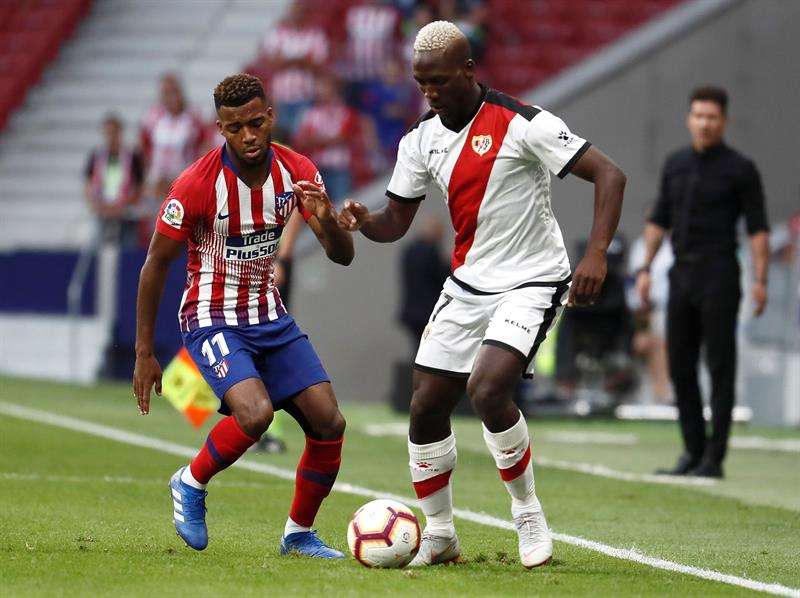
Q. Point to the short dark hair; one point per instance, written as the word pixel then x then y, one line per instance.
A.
pixel 237 90
pixel 112 118
pixel 709 93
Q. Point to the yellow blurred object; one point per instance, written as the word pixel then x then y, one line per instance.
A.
pixel 183 385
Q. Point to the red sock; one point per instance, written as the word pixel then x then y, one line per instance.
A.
pixel 316 473
pixel 225 444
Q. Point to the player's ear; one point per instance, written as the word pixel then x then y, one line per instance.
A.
pixel 270 116
pixel 469 68
pixel 219 125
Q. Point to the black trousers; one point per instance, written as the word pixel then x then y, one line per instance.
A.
pixel 703 310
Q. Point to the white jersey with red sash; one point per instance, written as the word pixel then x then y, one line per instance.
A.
pixel 495 176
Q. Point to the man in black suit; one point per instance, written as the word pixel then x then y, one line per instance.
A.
pixel 705 189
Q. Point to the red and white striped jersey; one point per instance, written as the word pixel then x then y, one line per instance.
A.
pixel 329 121
pixel 170 142
pixel 290 43
pixel 372 36
pixel 233 233
pixel 494 177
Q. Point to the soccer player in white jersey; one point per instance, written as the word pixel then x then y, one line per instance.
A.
pixel 490 155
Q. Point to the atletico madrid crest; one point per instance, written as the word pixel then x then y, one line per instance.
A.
pixel 221 368
pixel 481 144
pixel 284 204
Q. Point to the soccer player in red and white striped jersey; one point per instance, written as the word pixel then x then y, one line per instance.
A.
pixel 491 156
pixel 231 207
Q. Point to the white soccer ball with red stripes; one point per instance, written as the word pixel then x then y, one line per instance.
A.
pixel 384 533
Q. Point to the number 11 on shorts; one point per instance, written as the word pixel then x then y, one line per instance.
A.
pixel 220 365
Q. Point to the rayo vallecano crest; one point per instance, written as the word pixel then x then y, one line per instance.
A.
pixel 481 144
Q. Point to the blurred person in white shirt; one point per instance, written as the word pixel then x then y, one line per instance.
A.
pixel 649 341
pixel 295 54
pixel 172 136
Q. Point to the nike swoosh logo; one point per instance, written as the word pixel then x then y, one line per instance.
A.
pixel 221 217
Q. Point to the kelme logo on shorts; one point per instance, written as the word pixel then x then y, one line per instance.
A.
pixel 173 213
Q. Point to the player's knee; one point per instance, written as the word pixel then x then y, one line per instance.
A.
pixel 423 406
pixel 485 396
pixel 330 426
pixel 335 427
pixel 256 418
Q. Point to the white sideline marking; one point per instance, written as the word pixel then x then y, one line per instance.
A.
pixel 785 445
pixel 118 435
pixel 395 429
pixel 580 437
pixel 80 479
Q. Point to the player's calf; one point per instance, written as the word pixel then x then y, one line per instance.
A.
pixel 511 450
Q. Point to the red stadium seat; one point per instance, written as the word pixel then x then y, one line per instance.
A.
pixel 31 33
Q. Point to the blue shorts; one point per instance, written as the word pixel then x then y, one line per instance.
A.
pixel 278 352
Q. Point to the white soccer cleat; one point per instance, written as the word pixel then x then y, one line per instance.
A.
pixel 535 543
pixel 436 550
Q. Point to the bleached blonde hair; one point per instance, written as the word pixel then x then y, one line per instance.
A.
pixel 437 35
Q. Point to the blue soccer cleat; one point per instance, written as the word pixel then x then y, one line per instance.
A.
pixel 308 544
pixel 189 512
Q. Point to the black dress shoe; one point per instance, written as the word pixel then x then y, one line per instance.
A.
pixel 708 469
pixel 269 444
pixel 685 464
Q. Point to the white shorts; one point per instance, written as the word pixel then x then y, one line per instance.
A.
pixel 462 321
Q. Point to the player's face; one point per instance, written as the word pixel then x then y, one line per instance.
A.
pixel 706 123
pixel 247 130
pixel 444 83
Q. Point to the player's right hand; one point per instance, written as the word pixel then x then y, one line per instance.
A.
pixel 643 288
pixel 146 373
pixel 353 215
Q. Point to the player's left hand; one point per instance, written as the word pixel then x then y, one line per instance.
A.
pixel 588 279
pixel 315 200
pixel 759 298
pixel 146 375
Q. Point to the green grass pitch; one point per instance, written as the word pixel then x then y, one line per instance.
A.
pixel 84 515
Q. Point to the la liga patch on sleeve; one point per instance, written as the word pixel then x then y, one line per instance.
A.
pixel 173 213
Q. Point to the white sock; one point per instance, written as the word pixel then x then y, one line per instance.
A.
pixel 431 466
pixel 292 528
pixel 188 479
pixel 511 450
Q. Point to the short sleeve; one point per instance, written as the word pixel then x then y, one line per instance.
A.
pixel 179 212
pixel 751 197
pixel 661 215
pixel 549 139
pixel 410 178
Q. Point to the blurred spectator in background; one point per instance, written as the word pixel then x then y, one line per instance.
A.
pixel 423 272
pixel 114 175
pixel 294 53
pixel 391 102
pixel 421 16
pixel 650 340
pixel 470 16
pixel 373 33
pixel 594 341
pixel 327 133
pixel 172 136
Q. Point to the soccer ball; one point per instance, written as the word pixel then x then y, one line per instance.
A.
pixel 383 533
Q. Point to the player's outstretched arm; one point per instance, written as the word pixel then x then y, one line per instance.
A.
pixel 338 243
pixel 609 186
pixel 147 371
pixel 386 225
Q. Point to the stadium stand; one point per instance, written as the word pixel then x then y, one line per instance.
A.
pixel 114 61
pixel 31 34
